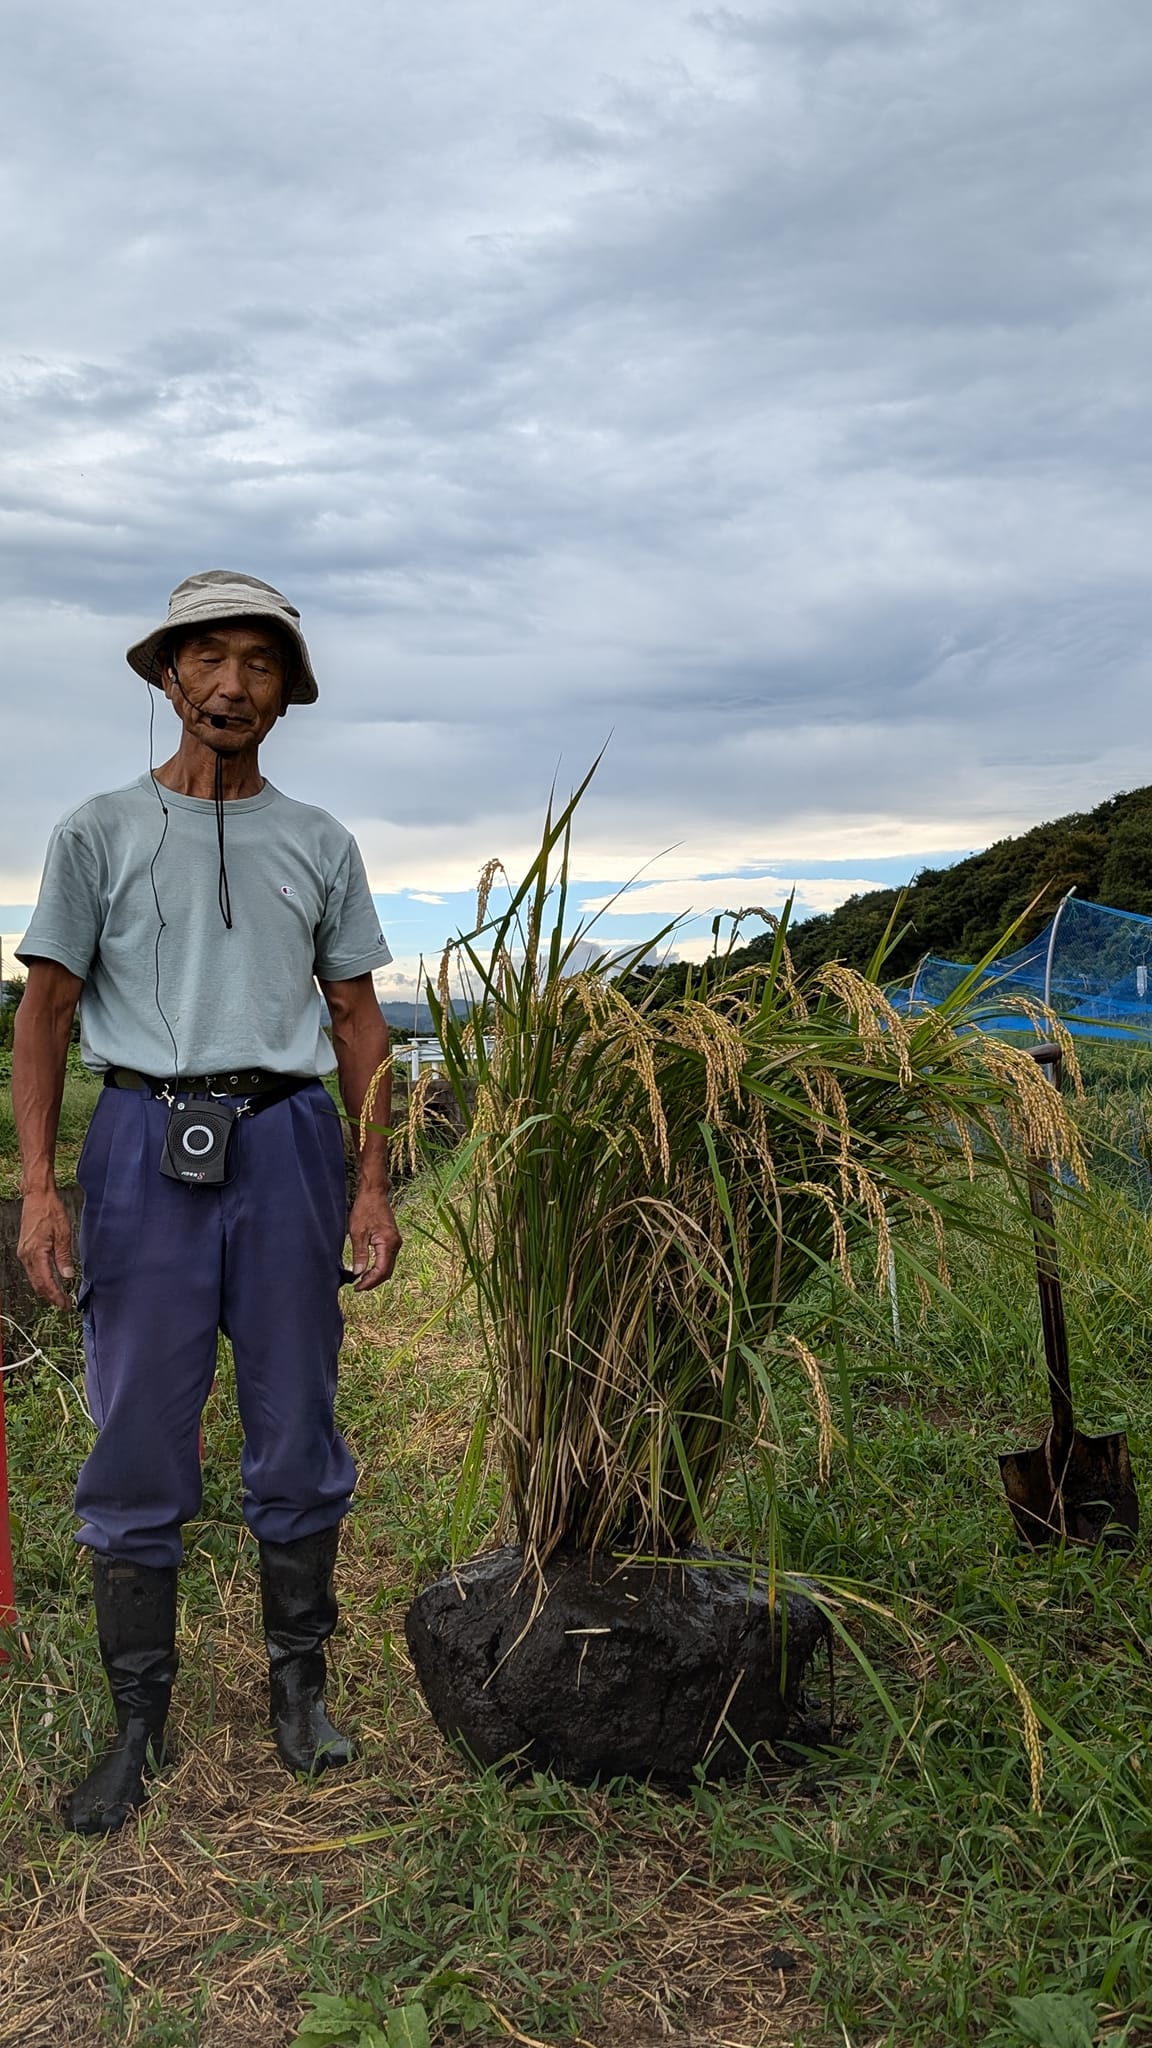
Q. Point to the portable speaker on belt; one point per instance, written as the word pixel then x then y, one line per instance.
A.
pixel 197 1142
pixel 199 1139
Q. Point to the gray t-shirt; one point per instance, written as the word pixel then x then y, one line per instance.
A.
pixel 129 903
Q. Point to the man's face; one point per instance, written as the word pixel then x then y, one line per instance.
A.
pixel 234 672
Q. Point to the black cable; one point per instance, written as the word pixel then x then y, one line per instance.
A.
pixel 223 893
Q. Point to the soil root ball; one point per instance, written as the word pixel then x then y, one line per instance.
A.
pixel 637 1670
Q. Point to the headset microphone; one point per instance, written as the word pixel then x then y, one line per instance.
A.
pixel 212 718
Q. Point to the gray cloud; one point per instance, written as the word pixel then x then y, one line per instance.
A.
pixel 817 32
pixel 762 384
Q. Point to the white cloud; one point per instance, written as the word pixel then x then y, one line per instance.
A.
pixel 697 950
pixel 608 844
pixel 704 895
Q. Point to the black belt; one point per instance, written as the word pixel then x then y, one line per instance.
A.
pixel 250 1081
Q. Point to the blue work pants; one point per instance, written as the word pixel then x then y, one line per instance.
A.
pixel 165 1268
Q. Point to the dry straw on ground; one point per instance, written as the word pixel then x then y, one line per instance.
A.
pixel 212 1892
pixel 163 1906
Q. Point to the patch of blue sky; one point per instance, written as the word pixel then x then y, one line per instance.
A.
pixel 419 922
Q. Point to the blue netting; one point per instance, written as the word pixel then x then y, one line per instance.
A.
pixel 1094 965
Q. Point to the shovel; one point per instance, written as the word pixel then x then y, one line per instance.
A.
pixel 1071 1488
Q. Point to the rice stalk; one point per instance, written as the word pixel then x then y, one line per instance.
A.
pixel 647 1190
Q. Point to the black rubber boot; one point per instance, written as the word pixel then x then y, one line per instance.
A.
pixel 136 1623
pixel 299 1616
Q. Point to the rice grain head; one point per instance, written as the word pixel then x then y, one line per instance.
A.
pixel 1032 1744
pixel 880 1026
pixel 488 874
pixel 442 983
pixel 368 1106
pixel 826 1433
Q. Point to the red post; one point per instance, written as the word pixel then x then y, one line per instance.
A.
pixel 7 1588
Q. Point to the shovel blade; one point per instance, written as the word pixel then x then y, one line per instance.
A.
pixel 1088 1496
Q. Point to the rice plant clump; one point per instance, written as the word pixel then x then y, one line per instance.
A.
pixel 648 1190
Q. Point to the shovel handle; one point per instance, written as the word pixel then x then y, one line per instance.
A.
pixel 1048 1277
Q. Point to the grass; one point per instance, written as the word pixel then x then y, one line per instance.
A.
pixel 902 1890
pixel 80 1093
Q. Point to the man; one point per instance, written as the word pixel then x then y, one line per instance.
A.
pixel 191 915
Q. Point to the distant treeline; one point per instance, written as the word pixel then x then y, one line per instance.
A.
pixel 959 912
pixel 10 994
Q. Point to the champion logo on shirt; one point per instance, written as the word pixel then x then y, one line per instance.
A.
pixel 286 890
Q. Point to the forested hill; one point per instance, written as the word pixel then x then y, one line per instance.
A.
pixel 1106 854
pixel 961 911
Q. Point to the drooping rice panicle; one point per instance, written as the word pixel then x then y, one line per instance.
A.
pixel 649 1188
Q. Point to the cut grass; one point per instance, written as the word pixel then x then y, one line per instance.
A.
pixel 900 1891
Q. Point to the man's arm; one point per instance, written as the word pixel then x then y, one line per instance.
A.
pixel 41 1030
pixel 360 1042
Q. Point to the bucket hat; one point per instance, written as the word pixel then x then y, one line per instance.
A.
pixel 226 594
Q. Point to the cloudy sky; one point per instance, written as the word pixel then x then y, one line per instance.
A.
pixel 760 388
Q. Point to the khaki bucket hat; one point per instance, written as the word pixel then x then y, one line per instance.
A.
pixel 226 594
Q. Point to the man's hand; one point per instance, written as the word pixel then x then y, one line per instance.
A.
pixel 375 1238
pixel 45 1247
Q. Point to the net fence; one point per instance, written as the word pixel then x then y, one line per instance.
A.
pixel 1090 964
